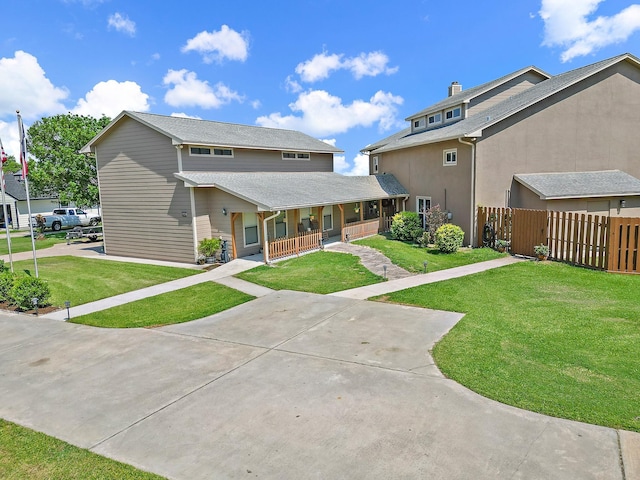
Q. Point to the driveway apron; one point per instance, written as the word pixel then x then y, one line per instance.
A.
pixel 290 385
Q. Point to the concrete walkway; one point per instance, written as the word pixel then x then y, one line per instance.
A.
pixel 371 259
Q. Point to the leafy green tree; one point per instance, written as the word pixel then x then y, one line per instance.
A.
pixel 59 168
pixel 11 165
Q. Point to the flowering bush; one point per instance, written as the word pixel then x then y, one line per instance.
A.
pixel 449 238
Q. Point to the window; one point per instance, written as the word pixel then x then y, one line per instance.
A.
pixel 450 157
pixel 250 227
pixel 374 164
pixel 305 218
pixel 418 123
pixel 296 156
pixel 452 114
pixel 327 219
pixel 208 151
pixel 423 204
pixel 280 225
pixel 434 119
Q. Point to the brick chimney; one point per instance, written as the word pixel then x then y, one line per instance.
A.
pixel 454 88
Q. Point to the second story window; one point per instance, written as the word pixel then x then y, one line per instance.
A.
pixel 209 151
pixel 450 157
pixel 296 156
pixel 453 114
pixel 434 119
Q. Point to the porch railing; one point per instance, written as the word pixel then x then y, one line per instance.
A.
pixel 303 242
pixel 355 230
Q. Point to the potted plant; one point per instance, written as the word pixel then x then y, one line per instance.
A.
pixel 541 251
pixel 208 248
pixel 502 245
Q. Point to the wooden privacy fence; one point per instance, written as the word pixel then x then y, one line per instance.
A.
pixel 355 230
pixel 606 243
pixel 303 242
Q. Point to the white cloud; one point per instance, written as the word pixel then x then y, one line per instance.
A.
pixel 319 67
pixel 256 104
pixel 366 64
pixel 9 136
pixel 188 91
pixel 122 23
pixel 24 87
pixel 218 45
pixel 358 166
pixel 324 114
pixel 567 25
pixel 184 115
pixel 291 85
pixel 110 98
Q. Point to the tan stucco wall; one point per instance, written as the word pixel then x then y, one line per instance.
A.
pixel 590 126
pixel 421 171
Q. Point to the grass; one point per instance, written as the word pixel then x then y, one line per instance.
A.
pixel 319 272
pixel 411 257
pixel 25 454
pixel 546 337
pixel 82 280
pixel 22 243
pixel 191 303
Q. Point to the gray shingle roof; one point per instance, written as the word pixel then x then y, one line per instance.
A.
pixel 470 93
pixel 205 132
pixel 473 126
pixel 17 190
pixel 272 191
pixel 608 183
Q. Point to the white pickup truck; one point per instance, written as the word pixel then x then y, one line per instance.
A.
pixel 67 218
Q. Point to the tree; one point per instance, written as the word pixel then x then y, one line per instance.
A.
pixel 11 165
pixel 59 168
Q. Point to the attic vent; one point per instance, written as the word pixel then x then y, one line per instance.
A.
pixel 454 88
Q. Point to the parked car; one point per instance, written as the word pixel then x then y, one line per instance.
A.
pixel 67 218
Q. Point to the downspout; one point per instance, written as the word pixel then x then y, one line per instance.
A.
pixel 472 223
pixel 265 236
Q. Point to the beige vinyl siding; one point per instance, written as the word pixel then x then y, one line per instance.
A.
pixel 244 160
pixel 220 223
pixel 589 126
pixel 203 214
pixel 146 211
pixel 508 89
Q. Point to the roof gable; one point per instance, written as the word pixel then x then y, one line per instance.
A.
pixel 183 131
pixel 475 124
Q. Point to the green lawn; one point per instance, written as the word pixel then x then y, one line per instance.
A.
pixel 29 455
pixel 543 336
pixel 319 272
pixel 411 257
pixel 22 243
pixel 82 280
pixel 179 306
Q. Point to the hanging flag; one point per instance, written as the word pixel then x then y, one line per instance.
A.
pixel 3 155
pixel 23 147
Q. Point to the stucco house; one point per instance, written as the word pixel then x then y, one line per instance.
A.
pixel 166 183
pixel 576 131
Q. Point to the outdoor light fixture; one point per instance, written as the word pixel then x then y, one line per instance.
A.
pixel 384 269
pixel 68 304
pixel 424 264
pixel 34 301
pixel 623 203
pixel 224 211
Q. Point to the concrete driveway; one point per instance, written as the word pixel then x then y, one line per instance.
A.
pixel 290 385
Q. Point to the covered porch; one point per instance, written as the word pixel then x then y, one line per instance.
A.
pixel 285 214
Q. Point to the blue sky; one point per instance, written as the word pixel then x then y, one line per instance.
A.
pixel 343 71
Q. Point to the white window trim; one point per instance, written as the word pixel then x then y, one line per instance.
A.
pixel 444 157
pixel 330 207
pixel 418 198
pixel 297 155
pixel 453 118
pixel 375 164
pixel 434 122
pixel 244 236
pixel 212 149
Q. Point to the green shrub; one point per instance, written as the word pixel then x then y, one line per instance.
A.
pixel 7 279
pixel 449 238
pixel 26 288
pixel 406 226
pixel 209 246
pixel 434 219
pixel 424 240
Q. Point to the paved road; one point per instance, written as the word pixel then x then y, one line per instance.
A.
pixel 290 385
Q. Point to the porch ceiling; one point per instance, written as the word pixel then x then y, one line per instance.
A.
pixel 272 191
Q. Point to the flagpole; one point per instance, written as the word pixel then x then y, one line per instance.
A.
pixel 3 158
pixel 25 170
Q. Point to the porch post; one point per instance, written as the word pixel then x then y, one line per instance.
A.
pixel 380 217
pixel 361 211
pixel 234 249
pixel 320 219
pixel 341 207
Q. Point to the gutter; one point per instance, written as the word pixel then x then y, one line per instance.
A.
pixel 472 220
pixel 265 236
